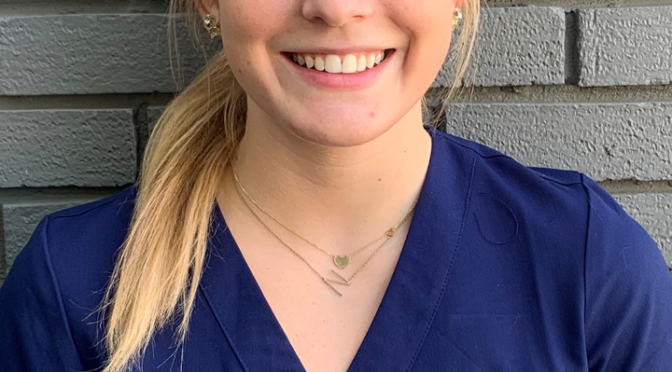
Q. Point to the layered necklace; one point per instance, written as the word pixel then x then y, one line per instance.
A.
pixel 341 261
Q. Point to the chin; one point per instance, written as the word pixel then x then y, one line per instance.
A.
pixel 338 132
pixel 341 124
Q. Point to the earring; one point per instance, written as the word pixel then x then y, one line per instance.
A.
pixel 457 16
pixel 213 29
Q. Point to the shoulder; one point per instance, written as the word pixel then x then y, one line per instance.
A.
pixel 549 200
pixel 497 173
pixel 571 229
pixel 90 229
pixel 83 235
pixel 58 280
pixel 82 241
pixel 78 246
pixel 540 214
pixel 534 212
pixel 564 196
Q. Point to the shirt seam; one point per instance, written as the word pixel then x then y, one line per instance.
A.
pixel 57 290
pixel 446 281
pixel 585 264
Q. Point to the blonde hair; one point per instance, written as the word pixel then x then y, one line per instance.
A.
pixel 162 257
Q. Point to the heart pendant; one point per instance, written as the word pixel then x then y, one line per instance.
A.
pixel 342 261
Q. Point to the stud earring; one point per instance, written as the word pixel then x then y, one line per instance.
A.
pixel 212 25
pixel 457 16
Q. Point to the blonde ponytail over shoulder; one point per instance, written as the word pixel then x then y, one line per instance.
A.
pixel 161 260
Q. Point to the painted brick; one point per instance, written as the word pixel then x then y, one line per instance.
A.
pixel 654 213
pixel 605 141
pixel 91 53
pixel 19 222
pixel 625 46
pixel 514 46
pixel 67 147
pixel 153 115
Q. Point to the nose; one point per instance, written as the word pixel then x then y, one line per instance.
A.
pixel 336 13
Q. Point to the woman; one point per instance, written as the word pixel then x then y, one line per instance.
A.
pixel 294 213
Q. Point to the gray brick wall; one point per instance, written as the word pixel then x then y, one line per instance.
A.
pixel 573 84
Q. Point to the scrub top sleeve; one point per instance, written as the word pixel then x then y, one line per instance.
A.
pixel 628 289
pixel 34 333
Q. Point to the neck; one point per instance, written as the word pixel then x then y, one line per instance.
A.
pixel 349 194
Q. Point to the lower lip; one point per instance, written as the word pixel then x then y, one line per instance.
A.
pixel 354 81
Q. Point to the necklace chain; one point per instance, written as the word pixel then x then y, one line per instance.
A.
pixel 327 281
pixel 389 232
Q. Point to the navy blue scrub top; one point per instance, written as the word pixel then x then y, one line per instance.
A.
pixel 505 268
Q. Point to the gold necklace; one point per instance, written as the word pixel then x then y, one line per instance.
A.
pixel 325 280
pixel 341 261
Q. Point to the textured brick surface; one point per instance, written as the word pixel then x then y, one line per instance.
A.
pixel 515 46
pixel 625 46
pixel 90 53
pixel 67 147
pixel 654 212
pixel 153 115
pixel 19 222
pixel 605 141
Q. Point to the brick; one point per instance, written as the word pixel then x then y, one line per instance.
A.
pixel 153 114
pixel 625 46
pixel 90 54
pixel 514 46
pixel 654 213
pixel 67 148
pixel 19 222
pixel 605 141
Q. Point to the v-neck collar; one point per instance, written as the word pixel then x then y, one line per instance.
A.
pixel 408 306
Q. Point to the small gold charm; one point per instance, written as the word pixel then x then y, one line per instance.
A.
pixel 328 282
pixel 391 232
pixel 342 261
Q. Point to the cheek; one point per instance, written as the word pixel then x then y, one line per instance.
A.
pixel 428 26
pixel 248 24
pixel 248 27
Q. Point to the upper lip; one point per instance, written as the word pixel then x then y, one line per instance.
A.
pixel 336 51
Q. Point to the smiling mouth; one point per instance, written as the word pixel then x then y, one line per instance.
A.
pixel 339 64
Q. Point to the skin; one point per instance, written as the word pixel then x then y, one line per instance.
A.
pixel 339 167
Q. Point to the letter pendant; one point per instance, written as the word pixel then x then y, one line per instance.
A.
pixel 329 281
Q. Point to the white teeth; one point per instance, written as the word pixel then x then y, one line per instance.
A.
pixel 319 63
pixel 370 61
pixel 347 64
pixel 361 64
pixel 332 63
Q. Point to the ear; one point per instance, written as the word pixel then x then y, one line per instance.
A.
pixel 206 7
pixel 458 4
